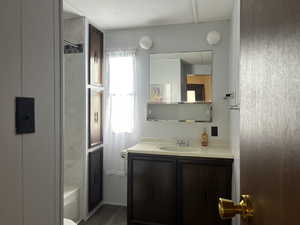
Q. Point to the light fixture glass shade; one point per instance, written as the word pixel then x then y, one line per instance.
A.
pixel 145 43
pixel 213 37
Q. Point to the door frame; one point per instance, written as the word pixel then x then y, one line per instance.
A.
pixel 59 108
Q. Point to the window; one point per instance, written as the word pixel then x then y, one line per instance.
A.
pixel 121 92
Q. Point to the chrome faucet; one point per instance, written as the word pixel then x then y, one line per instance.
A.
pixel 182 142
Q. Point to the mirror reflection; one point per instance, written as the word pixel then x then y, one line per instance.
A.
pixel 181 77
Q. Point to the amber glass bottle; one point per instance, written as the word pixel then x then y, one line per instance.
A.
pixel 204 138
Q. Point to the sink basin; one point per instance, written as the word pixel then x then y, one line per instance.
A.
pixel 179 149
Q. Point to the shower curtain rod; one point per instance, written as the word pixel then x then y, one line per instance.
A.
pixel 72 44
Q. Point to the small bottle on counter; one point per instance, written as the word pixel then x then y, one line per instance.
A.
pixel 204 138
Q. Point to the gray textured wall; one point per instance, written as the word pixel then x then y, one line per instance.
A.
pixel 173 38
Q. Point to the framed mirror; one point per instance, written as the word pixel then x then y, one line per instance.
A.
pixel 181 77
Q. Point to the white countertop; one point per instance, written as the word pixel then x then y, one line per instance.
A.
pixel 153 147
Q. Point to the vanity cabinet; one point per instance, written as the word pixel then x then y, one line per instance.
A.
pixel 170 190
pixel 151 190
pixel 200 184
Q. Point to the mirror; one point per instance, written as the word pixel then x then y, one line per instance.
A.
pixel 181 77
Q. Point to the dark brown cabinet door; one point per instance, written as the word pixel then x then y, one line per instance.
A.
pixel 95 56
pixel 95 79
pixel 151 190
pixel 200 183
pixel 95 118
pixel 95 178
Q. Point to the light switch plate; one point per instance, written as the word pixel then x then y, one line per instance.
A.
pixel 24 115
pixel 214 131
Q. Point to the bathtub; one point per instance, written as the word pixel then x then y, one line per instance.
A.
pixel 71 203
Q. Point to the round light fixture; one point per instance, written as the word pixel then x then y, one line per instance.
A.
pixel 145 43
pixel 213 37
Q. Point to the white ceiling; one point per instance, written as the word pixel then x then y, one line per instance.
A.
pixel 69 15
pixel 117 14
pixel 202 58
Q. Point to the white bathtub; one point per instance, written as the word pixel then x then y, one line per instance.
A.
pixel 71 203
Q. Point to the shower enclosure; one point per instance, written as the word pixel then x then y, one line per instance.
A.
pixel 74 135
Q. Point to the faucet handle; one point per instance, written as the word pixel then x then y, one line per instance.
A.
pixel 187 143
pixel 178 141
pixel 183 142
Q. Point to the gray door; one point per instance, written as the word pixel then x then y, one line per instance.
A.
pixel 30 66
pixel 270 109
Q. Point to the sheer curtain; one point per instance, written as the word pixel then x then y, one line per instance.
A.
pixel 121 123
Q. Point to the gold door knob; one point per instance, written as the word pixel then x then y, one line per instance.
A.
pixel 227 208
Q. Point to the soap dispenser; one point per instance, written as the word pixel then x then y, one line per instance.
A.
pixel 204 138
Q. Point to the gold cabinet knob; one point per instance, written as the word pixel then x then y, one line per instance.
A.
pixel 227 208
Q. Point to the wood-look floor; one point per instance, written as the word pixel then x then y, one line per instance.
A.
pixel 108 215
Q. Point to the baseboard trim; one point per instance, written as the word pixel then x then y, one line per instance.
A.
pixel 114 203
pixel 78 222
pixel 90 214
pixel 100 205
